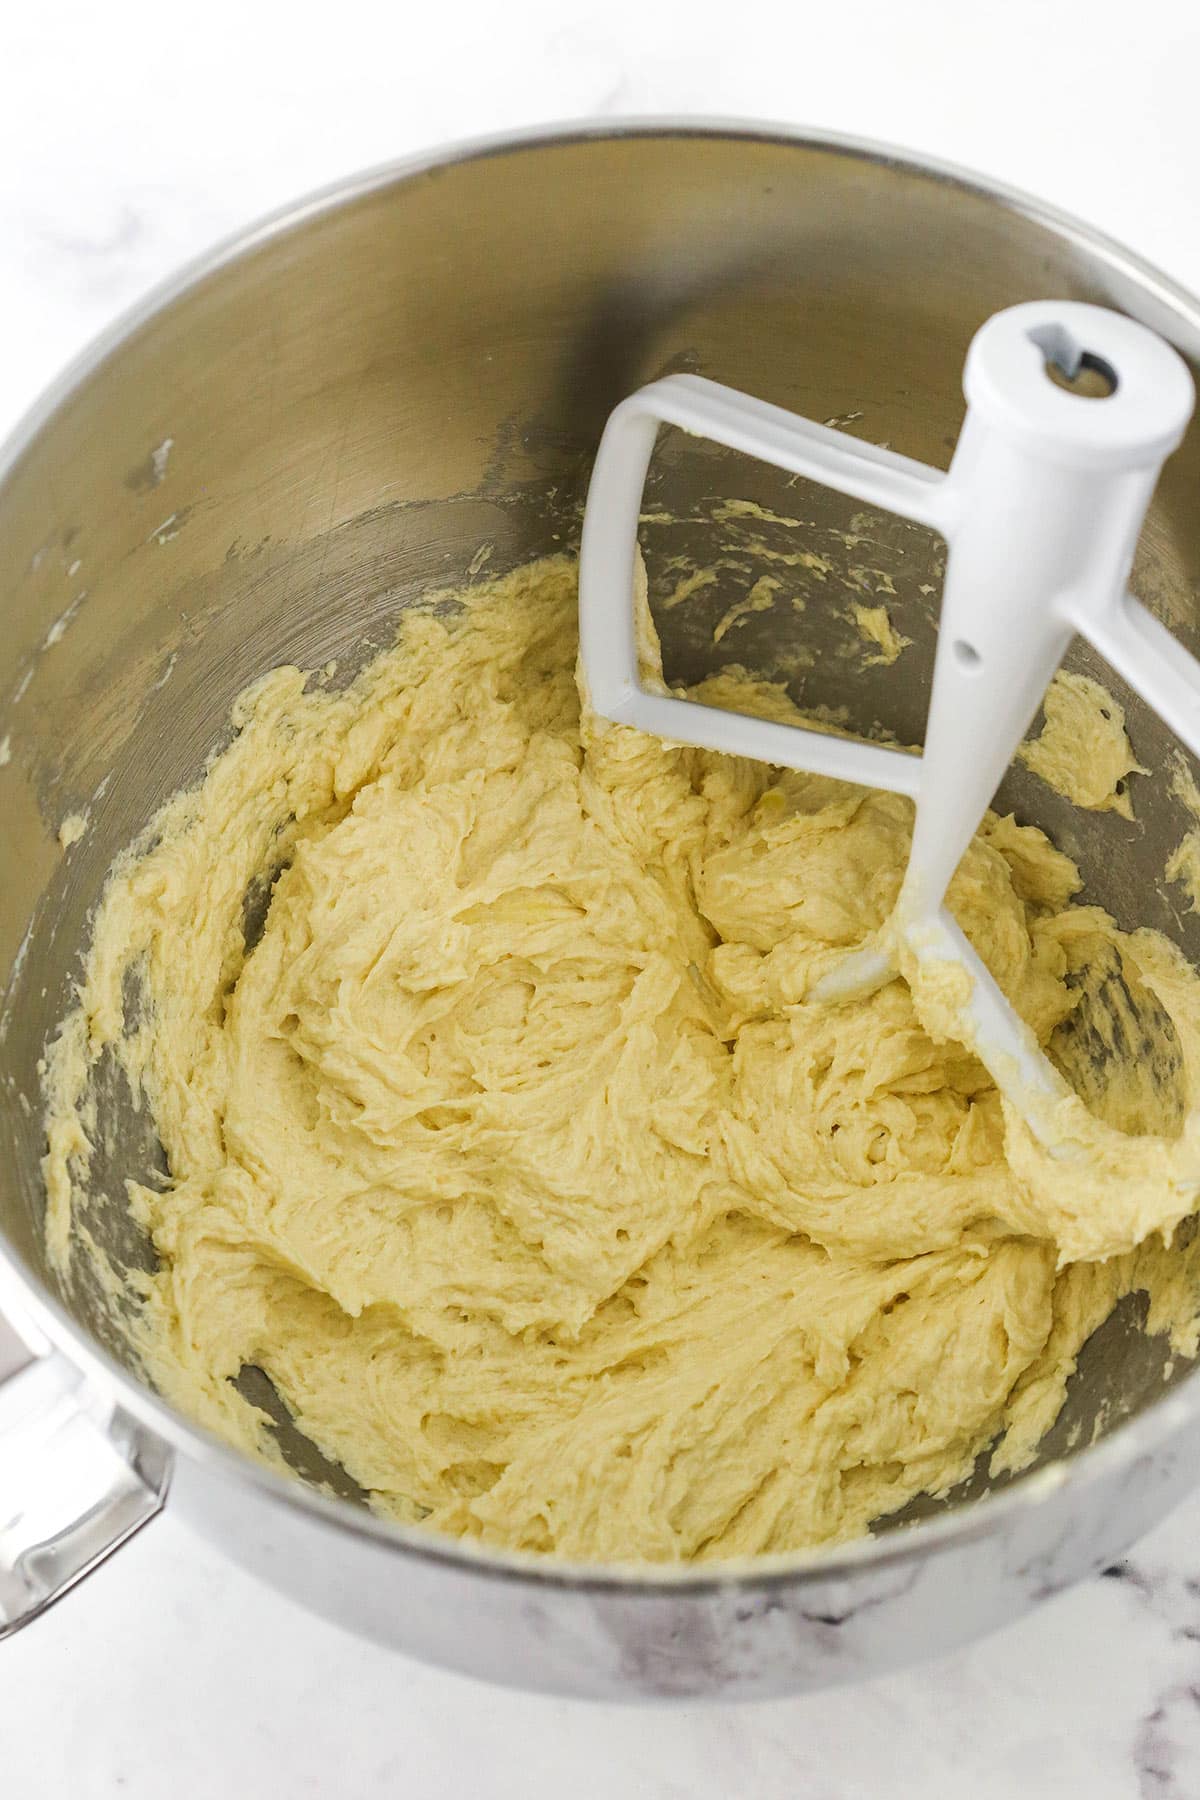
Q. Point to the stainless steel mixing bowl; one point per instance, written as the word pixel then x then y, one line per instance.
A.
pixel 264 465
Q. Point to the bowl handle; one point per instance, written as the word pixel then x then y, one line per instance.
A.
pixel 77 1477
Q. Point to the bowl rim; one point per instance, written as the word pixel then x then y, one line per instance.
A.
pixel 37 1314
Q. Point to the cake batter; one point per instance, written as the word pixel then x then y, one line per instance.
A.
pixel 513 1155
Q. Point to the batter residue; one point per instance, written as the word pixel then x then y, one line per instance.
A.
pixel 513 1154
pixel 1083 751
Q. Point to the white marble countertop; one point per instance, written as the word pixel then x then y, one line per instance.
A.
pixel 130 137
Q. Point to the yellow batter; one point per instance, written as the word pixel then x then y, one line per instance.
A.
pixel 514 1155
pixel 1082 750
